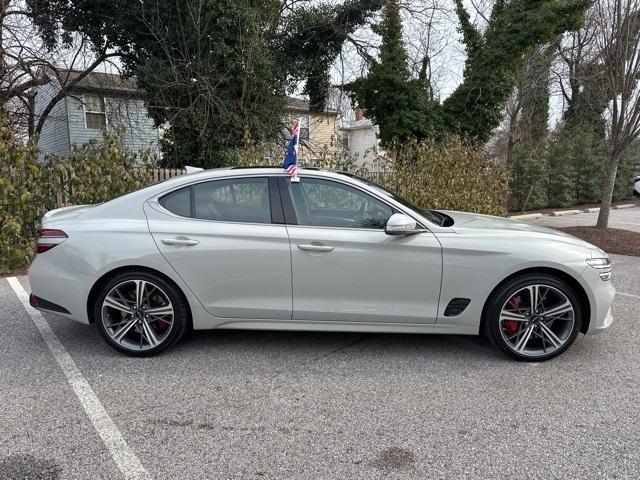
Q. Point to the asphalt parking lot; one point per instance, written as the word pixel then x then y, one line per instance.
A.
pixel 626 218
pixel 235 404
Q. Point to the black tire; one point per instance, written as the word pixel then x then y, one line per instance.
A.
pixel 491 325
pixel 180 312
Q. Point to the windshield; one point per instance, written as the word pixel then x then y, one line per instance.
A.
pixel 431 215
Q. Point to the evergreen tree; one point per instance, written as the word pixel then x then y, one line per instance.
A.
pixel 214 72
pixel 400 105
pixel 494 57
pixel 529 179
pixel 560 164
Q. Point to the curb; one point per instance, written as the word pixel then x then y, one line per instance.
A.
pixel 562 213
pixel 527 216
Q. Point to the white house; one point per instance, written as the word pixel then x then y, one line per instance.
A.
pixel 360 141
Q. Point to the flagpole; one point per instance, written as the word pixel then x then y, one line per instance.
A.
pixel 295 178
pixel 298 136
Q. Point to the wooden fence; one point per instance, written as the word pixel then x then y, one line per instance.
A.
pixel 162 174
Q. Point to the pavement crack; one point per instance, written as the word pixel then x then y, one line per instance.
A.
pixel 342 347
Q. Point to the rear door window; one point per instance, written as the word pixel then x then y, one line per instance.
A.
pixel 233 200
pixel 178 202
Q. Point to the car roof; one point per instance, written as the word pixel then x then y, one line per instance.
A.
pixel 245 171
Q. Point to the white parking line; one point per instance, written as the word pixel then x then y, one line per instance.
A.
pixel 127 461
pixel 628 295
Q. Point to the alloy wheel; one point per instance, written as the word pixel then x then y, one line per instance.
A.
pixel 537 320
pixel 137 315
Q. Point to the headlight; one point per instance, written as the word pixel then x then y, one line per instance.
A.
pixel 605 276
pixel 599 263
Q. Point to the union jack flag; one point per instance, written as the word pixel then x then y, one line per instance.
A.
pixel 290 163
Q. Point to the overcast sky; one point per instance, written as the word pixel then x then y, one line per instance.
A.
pixel 430 27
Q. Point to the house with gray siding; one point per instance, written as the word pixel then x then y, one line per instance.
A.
pixel 98 103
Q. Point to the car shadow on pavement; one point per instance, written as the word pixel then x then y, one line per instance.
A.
pixel 305 348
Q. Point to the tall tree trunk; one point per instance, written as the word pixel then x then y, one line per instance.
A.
pixel 31 116
pixel 4 4
pixel 607 194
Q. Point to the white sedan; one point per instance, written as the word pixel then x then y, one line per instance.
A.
pixel 249 249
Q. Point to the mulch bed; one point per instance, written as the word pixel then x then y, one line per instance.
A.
pixel 611 240
pixel 16 272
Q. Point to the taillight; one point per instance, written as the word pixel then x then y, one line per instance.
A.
pixel 49 238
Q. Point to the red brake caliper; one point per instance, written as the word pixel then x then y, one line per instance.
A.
pixel 162 324
pixel 511 326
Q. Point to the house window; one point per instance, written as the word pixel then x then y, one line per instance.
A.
pixel 304 127
pixel 345 140
pixel 94 112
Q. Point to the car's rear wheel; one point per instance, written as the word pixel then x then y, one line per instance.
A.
pixel 533 317
pixel 140 314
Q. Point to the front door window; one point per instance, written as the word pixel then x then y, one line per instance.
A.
pixel 324 203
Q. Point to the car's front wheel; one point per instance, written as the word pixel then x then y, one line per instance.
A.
pixel 533 317
pixel 140 314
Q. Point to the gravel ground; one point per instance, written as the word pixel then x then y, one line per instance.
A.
pixel 236 404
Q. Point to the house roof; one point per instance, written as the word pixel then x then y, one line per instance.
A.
pixel 300 105
pixel 101 81
pixel 112 82
pixel 359 125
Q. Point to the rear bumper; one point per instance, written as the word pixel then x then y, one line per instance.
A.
pixel 46 306
pixel 63 290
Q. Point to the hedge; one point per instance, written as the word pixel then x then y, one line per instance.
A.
pixel 568 170
pixel 29 186
pixel 454 175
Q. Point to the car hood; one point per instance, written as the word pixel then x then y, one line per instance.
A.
pixel 473 222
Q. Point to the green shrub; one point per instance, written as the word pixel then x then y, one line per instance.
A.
pixel 589 160
pixel 329 158
pixel 529 179
pixel 623 188
pixel 20 181
pixel 560 154
pixel 99 170
pixel 453 175
pixel 93 173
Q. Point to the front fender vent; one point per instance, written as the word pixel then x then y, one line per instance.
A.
pixel 456 307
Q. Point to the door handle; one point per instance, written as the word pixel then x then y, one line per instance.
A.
pixel 189 242
pixel 316 248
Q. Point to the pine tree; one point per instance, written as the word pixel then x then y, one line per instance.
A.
pixel 400 105
pixel 493 60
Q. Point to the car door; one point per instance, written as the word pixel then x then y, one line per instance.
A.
pixel 220 236
pixel 345 268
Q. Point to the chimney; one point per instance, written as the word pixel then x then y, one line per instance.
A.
pixel 359 113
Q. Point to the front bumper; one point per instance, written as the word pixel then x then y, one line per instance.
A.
pixel 602 326
pixel 601 294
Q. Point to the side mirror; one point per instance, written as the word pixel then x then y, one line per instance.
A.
pixel 400 224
